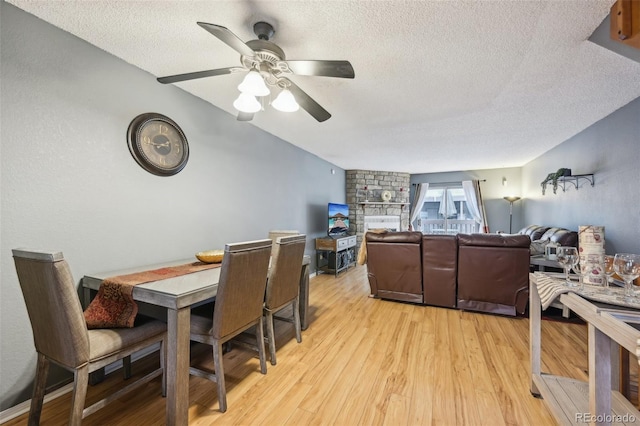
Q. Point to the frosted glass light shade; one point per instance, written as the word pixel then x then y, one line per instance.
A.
pixel 247 103
pixel 285 102
pixel 253 84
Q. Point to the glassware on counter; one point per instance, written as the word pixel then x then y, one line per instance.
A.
pixel 627 265
pixel 567 256
pixel 608 272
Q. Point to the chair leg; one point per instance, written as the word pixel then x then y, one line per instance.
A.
pixel 260 342
pixel 163 365
pixel 42 370
pixel 271 336
pixel 296 318
pixel 126 367
pixel 80 384
pixel 217 363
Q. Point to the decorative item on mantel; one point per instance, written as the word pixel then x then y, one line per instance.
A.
pixel 553 178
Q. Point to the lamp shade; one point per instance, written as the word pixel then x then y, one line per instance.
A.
pixel 253 84
pixel 511 198
pixel 285 102
pixel 247 103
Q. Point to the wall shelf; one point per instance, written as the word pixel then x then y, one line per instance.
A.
pixel 367 203
pixel 574 180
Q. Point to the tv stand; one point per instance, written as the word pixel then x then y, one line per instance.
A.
pixel 335 253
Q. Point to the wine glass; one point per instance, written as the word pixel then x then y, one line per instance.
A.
pixel 566 256
pixel 608 271
pixel 581 269
pixel 627 265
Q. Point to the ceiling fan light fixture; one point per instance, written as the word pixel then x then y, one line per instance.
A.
pixel 285 102
pixel 246 102
pixel 254 84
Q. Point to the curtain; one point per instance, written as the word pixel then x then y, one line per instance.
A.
pixel 447 205
pixel 475 203
pixel 418 201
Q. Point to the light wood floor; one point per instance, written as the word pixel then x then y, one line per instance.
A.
pixel 364 361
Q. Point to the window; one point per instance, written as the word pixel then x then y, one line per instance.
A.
pixel 445 211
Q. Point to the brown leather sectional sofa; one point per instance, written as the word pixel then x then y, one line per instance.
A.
pixel 479 272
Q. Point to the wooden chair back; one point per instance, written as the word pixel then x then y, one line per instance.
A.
pixel 243 278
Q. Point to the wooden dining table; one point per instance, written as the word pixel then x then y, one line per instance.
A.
pixel 177 295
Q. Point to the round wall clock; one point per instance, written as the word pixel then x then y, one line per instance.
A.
pixel 157 144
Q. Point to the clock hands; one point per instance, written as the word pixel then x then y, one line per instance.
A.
pixel 167 143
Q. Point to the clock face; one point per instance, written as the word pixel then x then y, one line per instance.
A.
pixel 158 144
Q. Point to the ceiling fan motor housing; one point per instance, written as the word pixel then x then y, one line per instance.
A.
pixel 263 30
pixel 266 51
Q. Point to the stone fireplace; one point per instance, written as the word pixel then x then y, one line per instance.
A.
pixel 364 196
pixel 389 222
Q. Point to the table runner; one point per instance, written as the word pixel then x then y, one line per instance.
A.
pixel 114 307
pixel 550 288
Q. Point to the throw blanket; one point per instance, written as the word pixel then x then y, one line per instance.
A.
pixel 549 289
pixel 114 307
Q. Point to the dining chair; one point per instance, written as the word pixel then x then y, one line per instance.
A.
pixel 61 336
pixel 274 234
pixel 238 307
pixel 283 286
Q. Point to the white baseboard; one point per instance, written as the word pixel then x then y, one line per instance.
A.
pixel 23 407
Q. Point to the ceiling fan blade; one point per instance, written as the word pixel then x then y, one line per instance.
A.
pixel 307 103
pixel 342 69
pixel 245 116
pixel 193 75
pixel 229 38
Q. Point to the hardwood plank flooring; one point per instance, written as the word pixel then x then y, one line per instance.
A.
pixel 365 361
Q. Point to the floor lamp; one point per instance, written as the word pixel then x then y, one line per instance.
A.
pixel 511 199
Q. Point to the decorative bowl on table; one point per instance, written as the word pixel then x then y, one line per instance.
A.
pixel 210 256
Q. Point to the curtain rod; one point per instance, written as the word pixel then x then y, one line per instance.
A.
pixel 447 183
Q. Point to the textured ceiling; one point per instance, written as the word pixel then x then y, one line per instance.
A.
pixel 439 86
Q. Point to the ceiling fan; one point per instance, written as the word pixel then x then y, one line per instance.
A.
pixel 267 59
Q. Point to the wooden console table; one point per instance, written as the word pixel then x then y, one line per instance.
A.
pixel 335 254
pixel 574 402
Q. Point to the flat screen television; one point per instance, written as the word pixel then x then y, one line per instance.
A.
pixel 338 219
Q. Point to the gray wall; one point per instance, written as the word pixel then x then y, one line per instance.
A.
pixel 610 149
pixel 492 189
pixel 69 183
